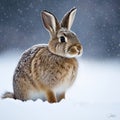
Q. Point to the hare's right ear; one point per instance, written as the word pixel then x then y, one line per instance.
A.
pixel 68 19
pixel 50 21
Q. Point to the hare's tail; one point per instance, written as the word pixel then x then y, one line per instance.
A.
pixel 8 95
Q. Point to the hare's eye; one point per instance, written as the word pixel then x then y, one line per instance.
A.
pixel 62 39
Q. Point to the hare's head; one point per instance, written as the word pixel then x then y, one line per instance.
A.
pixel 63 41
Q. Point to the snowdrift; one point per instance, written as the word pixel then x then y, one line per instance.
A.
pixel 94 96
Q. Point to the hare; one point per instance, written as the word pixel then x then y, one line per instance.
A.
pixel 46 71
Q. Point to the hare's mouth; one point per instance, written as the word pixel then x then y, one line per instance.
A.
pixel 74 51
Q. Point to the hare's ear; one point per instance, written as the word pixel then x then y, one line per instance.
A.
pixel 68 19
pixel 50 21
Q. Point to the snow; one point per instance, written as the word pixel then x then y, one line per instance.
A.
pixel 94 96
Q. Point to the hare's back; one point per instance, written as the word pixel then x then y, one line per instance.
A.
pixel 24 63
pixel 31 52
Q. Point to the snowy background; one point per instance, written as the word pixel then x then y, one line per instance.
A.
pixel 97 24
pixel 94 96
pixel 96 92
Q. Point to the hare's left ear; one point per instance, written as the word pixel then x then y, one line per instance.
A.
pixel 50 21
pixel 68 19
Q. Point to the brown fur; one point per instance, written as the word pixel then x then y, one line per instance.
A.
pixel 46 71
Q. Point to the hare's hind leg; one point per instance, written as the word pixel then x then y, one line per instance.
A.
pixel 21 88
pixel 60 96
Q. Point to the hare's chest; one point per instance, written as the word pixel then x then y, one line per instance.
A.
pixel 66 81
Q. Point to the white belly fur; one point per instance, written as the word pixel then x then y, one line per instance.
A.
pixel 34 95
pixel 61 88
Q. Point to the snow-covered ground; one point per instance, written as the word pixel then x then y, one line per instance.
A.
pixel 94 96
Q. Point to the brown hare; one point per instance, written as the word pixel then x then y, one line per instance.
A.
pixel 47 71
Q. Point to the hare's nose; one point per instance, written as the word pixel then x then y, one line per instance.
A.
pixel 75 49
pixel 79 49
